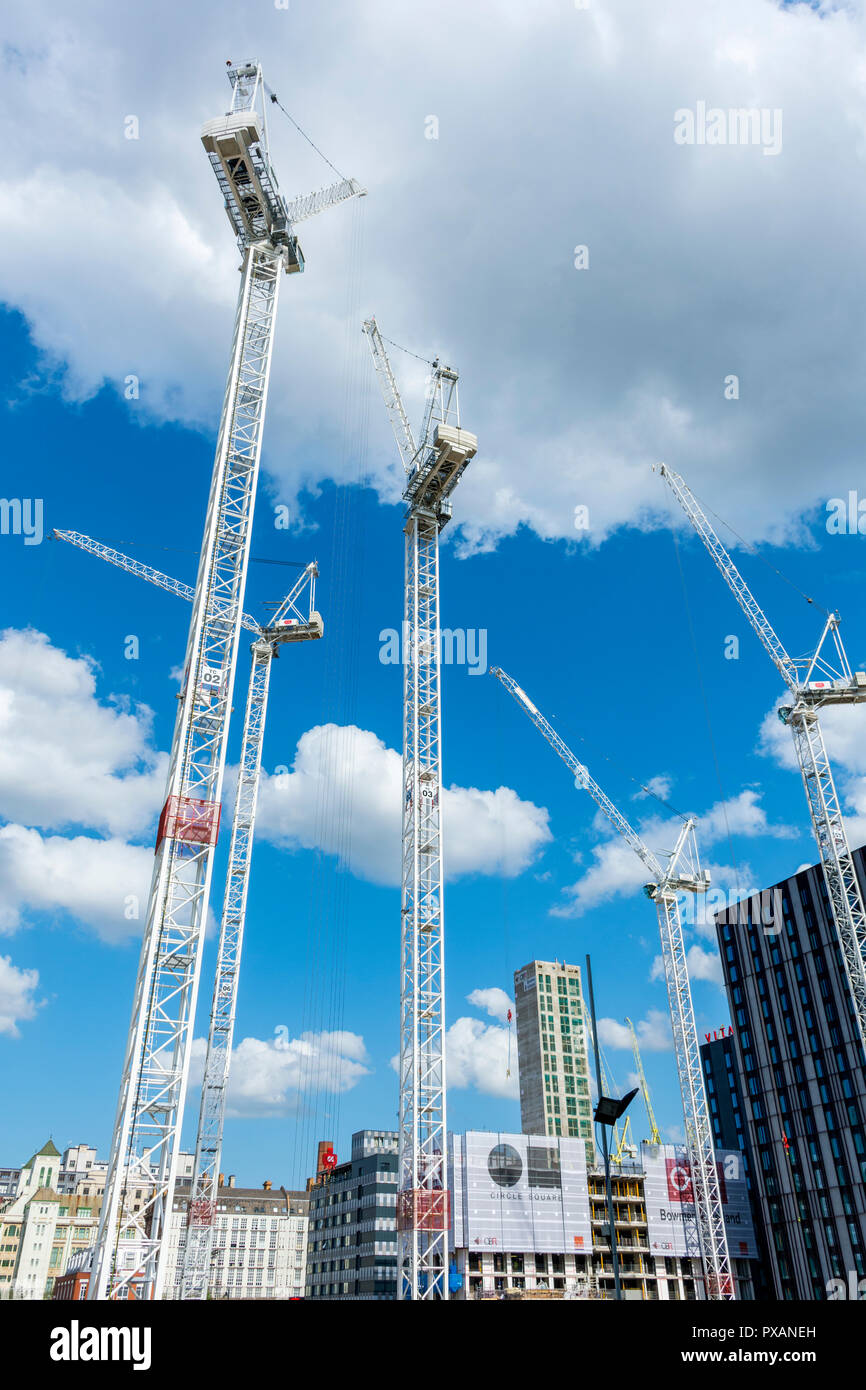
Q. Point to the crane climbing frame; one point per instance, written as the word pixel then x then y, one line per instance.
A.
pixel 432 468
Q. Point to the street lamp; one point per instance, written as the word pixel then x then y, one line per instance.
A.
pixel 607 1112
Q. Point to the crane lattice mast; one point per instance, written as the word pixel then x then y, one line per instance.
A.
pixel 433 469
pixel 146 1137
pixel 655 1137
pixel 290 623
pixel 681 874
pixel 815 681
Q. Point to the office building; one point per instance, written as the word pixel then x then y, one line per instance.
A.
pixel 259 1246
pixel 801 1082
pixel 352 1241
pixel 40 1228
pixel 552 1051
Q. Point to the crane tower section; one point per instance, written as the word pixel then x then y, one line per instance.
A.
pixel 289 624
pixel 433 468
pixel 146 1136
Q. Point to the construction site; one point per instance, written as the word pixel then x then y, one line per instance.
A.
pixel 705 1165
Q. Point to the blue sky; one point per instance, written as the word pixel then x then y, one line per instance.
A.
pixel 575 383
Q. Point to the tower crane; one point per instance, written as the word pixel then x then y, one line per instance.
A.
pixel 655 1137
pixel 288 624
pixel 433 467
pixel 825 678
pixel 146 1136
pixel 681 874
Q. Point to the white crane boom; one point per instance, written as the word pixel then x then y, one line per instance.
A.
pixel 308 204
pixel 682 873
pixel 146 1137
pixel 433 470
pixel 837 685
pixel 131 566
pixel 391 396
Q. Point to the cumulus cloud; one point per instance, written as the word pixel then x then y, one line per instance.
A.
pixel 103 884
pixel 616 871
pixel 493 1001
pixel 105 773
pixel 17 1002
pixel 343 796
pixel 653 1033
pixel 147 271
pixel 656 786
pixel 705 965
pixel 271 1077
pixel 844 732
pixel 476 1055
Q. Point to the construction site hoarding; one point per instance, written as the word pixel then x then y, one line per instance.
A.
pixel 518 1192
pixel 670 1208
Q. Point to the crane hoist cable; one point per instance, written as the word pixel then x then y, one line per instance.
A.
pixel 752 549
pixel 187 550
pixel 276 102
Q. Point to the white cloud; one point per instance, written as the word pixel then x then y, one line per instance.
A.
pixel 740 815
pixel 97 882
pixel 274 1076
pixel 653 1033
pixel 844 731
pixel 493 1001
pixel 656 786
pixel 147 270
pixel 343 796
pixel 704 965
pixel 479 1055
pixel 701 965
pixel 616 871
pixel 104 772
pixel 17 1003
pixel 476 1055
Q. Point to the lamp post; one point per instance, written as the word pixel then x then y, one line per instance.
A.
pixel 607 1112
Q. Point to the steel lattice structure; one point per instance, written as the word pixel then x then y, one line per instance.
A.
pixel 815 682
pixel 433 469
pixel 146 1137
pixel 681 873
pixel 288 624
pixel 205 1180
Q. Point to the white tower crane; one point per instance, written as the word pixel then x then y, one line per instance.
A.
pixel 814 682
pixel 433 468
pixel 681 874
pixel 146 1137
pixel 288 624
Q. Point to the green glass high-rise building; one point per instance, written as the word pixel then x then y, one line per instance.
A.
pixel 552 1051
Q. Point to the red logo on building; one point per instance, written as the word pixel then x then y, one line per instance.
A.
pixel 679 1174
